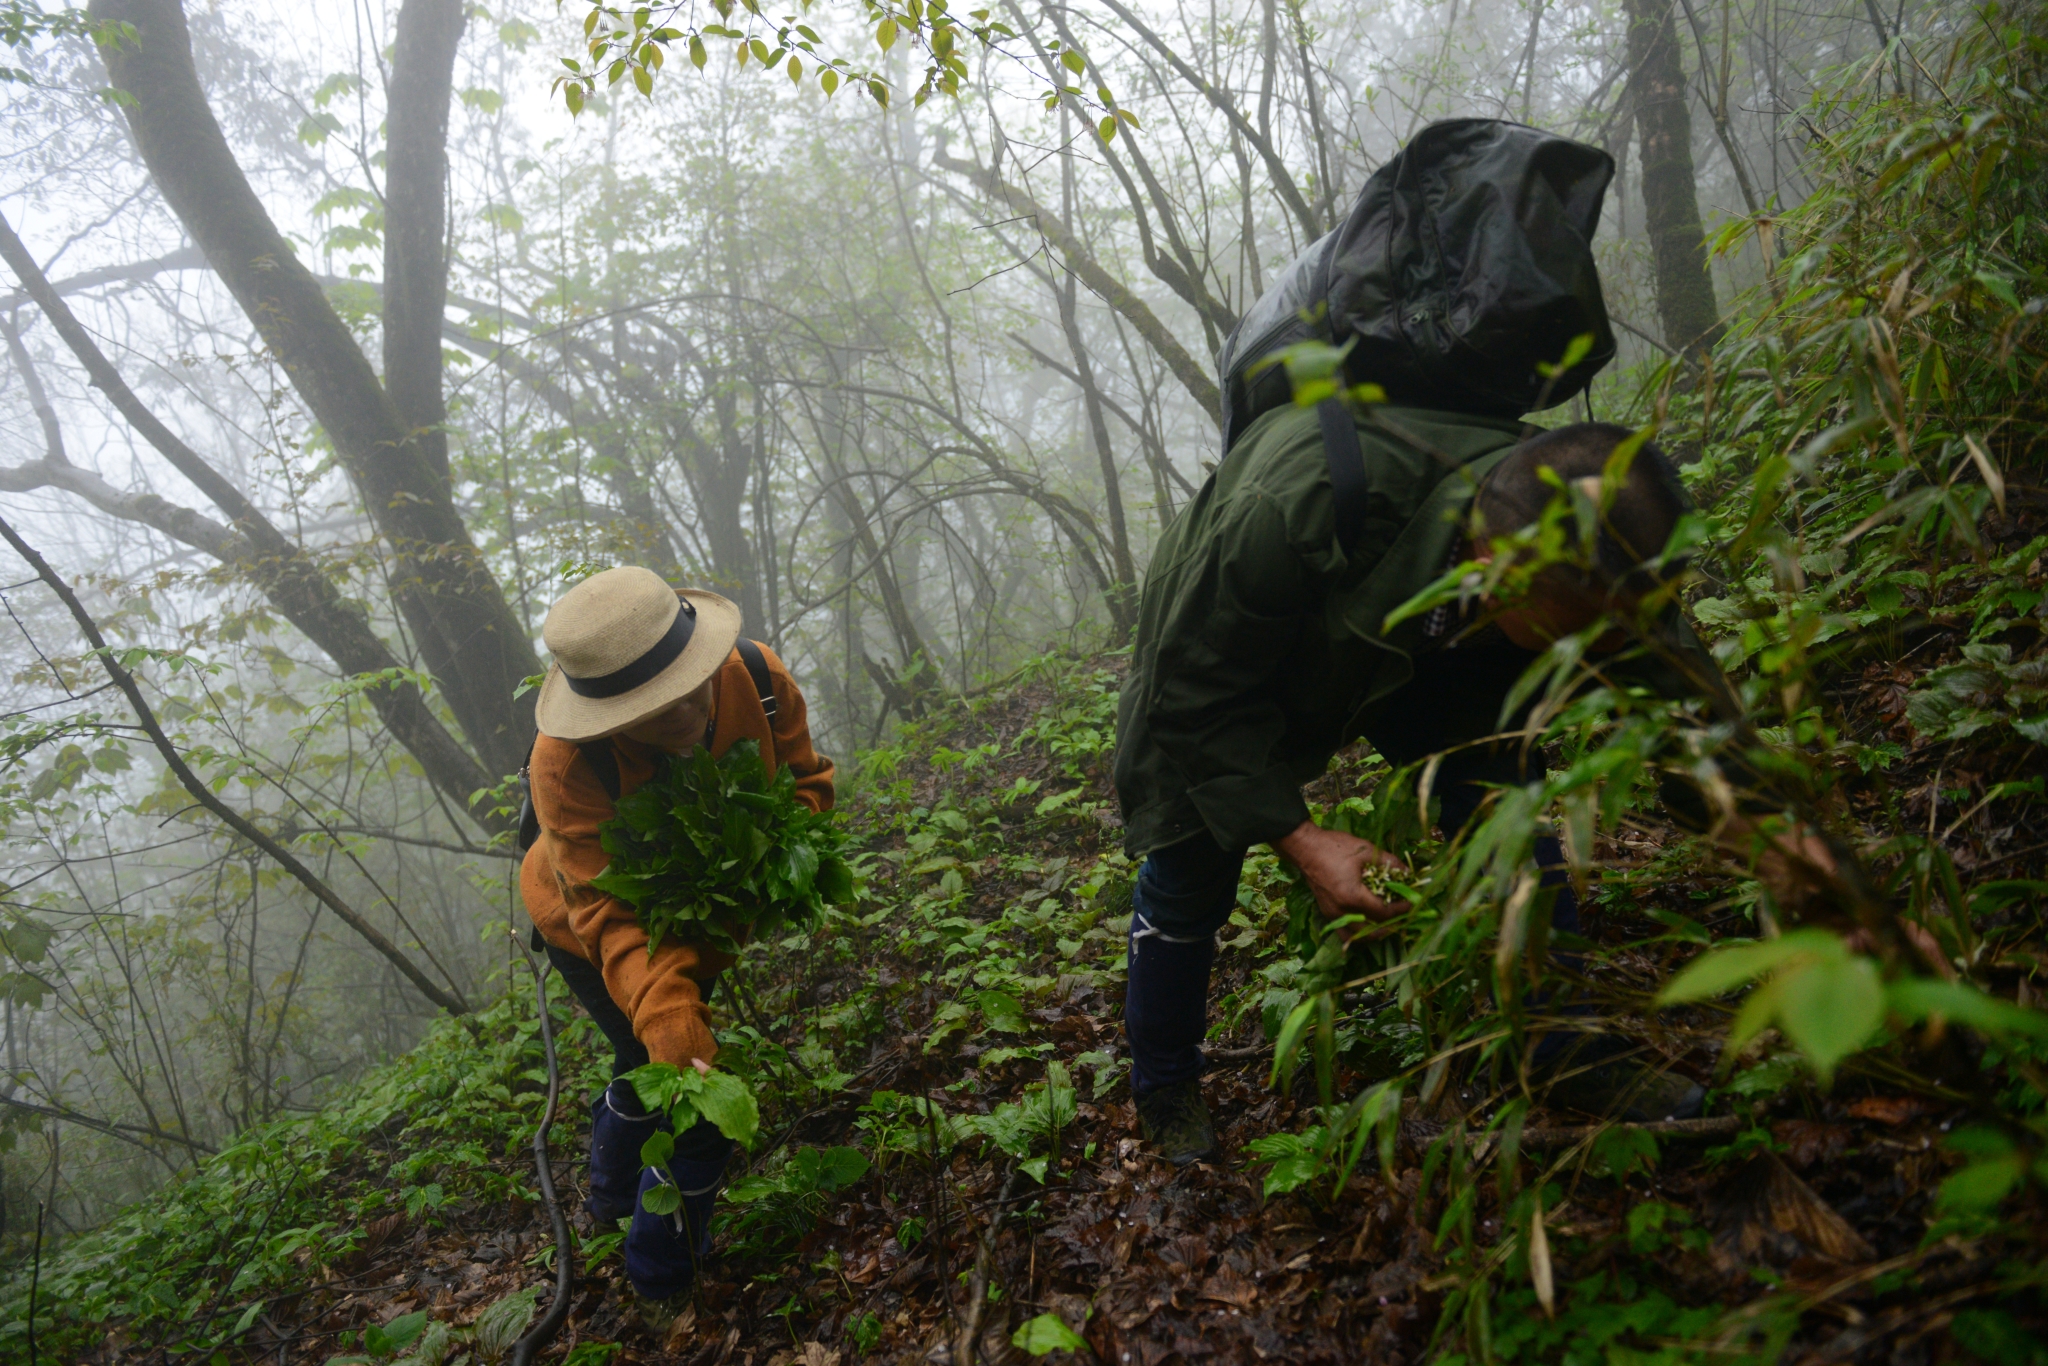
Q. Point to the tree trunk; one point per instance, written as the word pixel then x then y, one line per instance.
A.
pixel 476 647
pixel 724 471
pixel 415 219
pixel 1678 249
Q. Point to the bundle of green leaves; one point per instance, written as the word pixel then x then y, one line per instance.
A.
pixel 711 849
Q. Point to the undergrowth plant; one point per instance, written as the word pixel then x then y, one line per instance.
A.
pixel 436 1135
pixel 1866 439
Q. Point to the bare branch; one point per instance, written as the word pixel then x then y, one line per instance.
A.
pixel 206 797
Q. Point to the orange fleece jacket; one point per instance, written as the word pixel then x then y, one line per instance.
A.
pixel 659 993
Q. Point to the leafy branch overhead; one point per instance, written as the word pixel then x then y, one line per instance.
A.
pixel 635 45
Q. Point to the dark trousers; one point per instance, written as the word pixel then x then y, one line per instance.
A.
pixel 663 1251
pixel 1186 891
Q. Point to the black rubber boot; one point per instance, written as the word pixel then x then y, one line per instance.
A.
pixel 1175 1121
pixel 664 1251
pixel 1594 1078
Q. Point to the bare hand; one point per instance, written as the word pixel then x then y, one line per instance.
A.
pixel 1333 864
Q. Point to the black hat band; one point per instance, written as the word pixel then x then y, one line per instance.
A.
pixel 659 656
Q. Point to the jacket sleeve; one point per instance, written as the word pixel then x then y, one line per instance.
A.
pixel 791 728
pixel 659 993
pixel 1216 709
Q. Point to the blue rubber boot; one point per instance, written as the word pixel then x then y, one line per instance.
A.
pixel 618 1126
pixel 664 1251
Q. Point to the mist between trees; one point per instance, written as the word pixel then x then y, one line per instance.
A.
pixel 337 349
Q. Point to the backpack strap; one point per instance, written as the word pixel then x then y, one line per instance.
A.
pixel 604 762
pixel 757 669
pixel 1348 487
pixel 529 819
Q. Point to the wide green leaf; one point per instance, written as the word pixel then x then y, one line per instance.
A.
pixel 1724 969
pixel 1047 1333
pixel 499 1326
pixel 725 1100
pixel 1831 1008
pixel 1918 998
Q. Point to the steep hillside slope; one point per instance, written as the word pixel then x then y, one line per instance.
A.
pixel 982 972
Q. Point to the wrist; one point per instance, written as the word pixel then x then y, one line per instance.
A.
pixel 1299 838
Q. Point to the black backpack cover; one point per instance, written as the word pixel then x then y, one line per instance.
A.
pixel 1466 261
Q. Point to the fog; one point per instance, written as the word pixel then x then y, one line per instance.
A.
pixel 917 386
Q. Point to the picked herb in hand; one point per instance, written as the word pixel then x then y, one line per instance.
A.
pixel 710 849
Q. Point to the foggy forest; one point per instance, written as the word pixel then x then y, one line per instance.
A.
pixel 343 340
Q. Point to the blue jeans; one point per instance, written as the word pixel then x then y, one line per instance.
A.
pixel 1184 894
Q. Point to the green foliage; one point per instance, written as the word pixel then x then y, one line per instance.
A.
pixel 1047 1333
pixel 1019 1127
pixel 501 1325
pixel 622 44
pixel 770 1211
pixel 387 1341
pixel 197 1263
pixel 1293 1160
pixel 864 1331
pixel 1332 1150
pixel 685 1095
pixel 1988 689
pixel 711 849
pixel 1994 1336
pixel 23 22
pixel 1831 1002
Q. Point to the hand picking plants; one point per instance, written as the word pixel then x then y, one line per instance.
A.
pixel 714 850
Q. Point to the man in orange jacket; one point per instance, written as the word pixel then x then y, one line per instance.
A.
pixel 640 671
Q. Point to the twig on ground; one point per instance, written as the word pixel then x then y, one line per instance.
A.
pixel 550 1324
pixel 967 1342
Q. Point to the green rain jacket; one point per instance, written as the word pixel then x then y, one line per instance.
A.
pixel 1259 639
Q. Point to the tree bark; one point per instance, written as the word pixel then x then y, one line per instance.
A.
pixel 1678 249
pixel 476 647
pixel 415 218
pixel 281 569
pixel 1123 594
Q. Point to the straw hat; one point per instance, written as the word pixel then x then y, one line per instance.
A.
pixel 627 646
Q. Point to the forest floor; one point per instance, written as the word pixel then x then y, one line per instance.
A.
pixel 1791 1224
